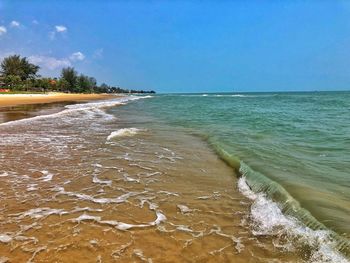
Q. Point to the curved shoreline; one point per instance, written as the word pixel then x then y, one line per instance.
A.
pixel 21 99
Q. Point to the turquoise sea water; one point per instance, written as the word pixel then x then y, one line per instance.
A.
pixel 289 152
pixel 293 147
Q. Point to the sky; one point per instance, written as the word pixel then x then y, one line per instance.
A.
pixel 186 46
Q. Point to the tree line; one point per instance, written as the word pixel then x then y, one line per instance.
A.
pixel 18 74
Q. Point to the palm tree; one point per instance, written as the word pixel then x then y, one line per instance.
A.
pixel 17 66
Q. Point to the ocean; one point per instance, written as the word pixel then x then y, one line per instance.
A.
pixel 224 177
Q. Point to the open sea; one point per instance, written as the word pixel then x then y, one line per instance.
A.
pixel 224 177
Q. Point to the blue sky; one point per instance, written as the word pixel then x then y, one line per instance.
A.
pixel 186 46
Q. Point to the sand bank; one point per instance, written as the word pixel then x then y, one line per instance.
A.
pixel 17 99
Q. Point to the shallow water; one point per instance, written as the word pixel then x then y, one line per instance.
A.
pixel 293 147
pixel 104 182
pixel 11 113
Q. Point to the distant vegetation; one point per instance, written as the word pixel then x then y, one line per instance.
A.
pixel 17 74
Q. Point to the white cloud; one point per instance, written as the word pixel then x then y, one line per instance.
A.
pixel 61 29
pixel 35 22
pixel 50 63
pixel 58 29
pixel 98 53
pixel 3 30
pixel 77 56
pixel 14 24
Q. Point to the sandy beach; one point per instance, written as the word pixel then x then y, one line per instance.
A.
pixel 20 99
pixel 111 181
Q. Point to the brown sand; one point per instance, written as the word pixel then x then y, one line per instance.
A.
pixel 17 99
pixel 70 195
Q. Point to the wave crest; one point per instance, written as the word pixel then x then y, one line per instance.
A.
pixel 275 211
pixel 268 219
pixel 123 133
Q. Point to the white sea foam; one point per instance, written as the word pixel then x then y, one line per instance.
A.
pixel 92 107
pixel 143 200
pixel 168 193
pixel 160 218
pixel 120 199
pixel 85 217
pixel 123 132
pixel 48 176
pixel 96 180
pixel 184 209
pixel 80 209
pixel 37 213
pixel 237 241
pixel 32 187
pixel 140 255
pixel 205 197
pixel 149 174
pixel 184 228
pixel 5 238
pixel 239 95
pixel 121 225
pixel 230 95
pixel 130 179
pixel 4 174
pixel 268 219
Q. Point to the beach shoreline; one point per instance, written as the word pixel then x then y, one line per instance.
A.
pixel 120 173
pixel 21 99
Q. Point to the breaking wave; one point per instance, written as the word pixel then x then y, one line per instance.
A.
pixel 275 212
pixel 90 108
pixel 123 132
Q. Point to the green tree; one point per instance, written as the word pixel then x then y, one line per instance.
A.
pixel 62 85
pixel 29 84
pixel 17 66
pixel 71 77
pixel 104 88
pixel 13 81
pixel 45 84
pixel 93 83
pixel 29 70
pixel 83 83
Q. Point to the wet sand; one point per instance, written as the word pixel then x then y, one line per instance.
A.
pixel 81 186
pixel 22 111
pixel 20 99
